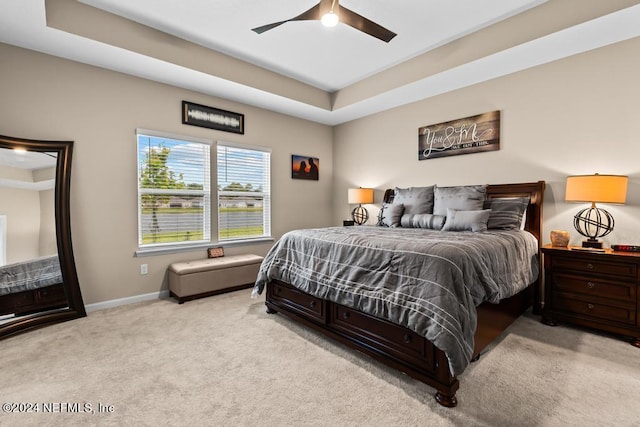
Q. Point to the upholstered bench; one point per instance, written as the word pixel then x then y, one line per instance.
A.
pixel 202 278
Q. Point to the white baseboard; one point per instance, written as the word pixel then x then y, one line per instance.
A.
pixel 127 300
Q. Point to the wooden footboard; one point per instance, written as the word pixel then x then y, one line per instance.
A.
pixel 391 344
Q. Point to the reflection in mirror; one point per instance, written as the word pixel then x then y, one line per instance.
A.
pixel 38 281
pixel 30 275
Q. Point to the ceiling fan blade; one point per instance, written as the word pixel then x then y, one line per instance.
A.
pixel 267 27
pixel 308 15
pixel 366 26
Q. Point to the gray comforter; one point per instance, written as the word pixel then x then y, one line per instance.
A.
pixel 428 281
pixel 28 275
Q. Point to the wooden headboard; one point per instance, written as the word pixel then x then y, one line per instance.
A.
pixel 533 190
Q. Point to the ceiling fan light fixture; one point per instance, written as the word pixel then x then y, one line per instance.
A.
pixel 330 13
pixel 329 19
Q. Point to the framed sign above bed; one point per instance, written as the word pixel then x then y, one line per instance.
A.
pixel 462 136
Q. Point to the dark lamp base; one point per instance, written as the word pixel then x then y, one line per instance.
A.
pixel 592 243
pixel 359 215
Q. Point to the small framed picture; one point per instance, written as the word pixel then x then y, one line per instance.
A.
pixel 216 252
pixel 305 167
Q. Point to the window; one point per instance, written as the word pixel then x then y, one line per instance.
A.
pixel 174 195
pixel 244 192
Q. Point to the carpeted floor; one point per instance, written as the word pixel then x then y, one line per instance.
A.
pixel 223 361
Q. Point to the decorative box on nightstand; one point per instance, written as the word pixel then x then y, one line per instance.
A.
pixel 594 289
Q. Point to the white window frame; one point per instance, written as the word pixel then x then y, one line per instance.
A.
pixel 153 248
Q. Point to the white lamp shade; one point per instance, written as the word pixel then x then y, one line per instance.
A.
pixel 360 195
pixel 596 188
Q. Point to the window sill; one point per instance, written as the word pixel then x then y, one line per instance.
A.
pixel 143 252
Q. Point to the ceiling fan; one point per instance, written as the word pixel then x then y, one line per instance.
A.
pixel 329 12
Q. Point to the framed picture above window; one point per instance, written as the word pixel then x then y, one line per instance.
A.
pixel 212 118
pixel 305 167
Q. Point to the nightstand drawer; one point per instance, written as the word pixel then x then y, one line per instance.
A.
pixel 595 266
pixel 596 287
pixel 597 310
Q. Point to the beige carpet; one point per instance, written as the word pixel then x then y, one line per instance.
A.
pixel 223 361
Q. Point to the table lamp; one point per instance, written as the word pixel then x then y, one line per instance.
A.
pixel 595 222
pixel 360 196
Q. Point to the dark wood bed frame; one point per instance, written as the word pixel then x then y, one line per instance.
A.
pixel 32 301
pixel 397 346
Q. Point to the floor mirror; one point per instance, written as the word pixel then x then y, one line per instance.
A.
pixel 38 280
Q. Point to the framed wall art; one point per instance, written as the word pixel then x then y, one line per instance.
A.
pixel 462 136
pixel 305 167
pixel 212 118
pixel 215 252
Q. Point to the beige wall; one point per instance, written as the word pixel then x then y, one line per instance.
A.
pixel 22 209
pixel 574 116
pixel 48 244
pixel 49 98
pixel 30 215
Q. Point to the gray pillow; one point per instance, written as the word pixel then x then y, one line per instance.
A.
pixel 416 200
pixel 461 198
pixel 466 220
pixel 430 221
pixel 506 213
pixel 390 214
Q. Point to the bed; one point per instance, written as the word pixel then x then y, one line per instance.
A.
pixel 31 285
pixel 424 294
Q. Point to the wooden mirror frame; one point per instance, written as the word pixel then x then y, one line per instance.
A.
pixel 75 308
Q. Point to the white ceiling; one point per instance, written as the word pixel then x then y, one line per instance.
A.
pixel 30 160
pixel 330 59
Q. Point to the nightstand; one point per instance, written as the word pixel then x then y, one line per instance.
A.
pixel 593 289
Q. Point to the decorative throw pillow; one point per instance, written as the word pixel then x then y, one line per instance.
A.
pixel 381 214
pixel 461 198
pixel 466 220
pixel 416 200
pixel 430 221
pixel 506 213
pixel 390 214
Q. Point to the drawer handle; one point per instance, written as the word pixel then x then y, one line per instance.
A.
pixel 590 306
pixel 312 304
pixel 591 285
pixel 346 315
pixel 590 266
pixel 407 338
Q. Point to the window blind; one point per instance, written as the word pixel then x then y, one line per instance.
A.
pixel 244 192
pixel 174 194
